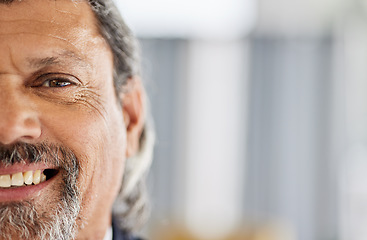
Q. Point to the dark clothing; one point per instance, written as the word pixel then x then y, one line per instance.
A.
pixel 120 235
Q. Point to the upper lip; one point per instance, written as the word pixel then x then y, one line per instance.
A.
pixel 21 167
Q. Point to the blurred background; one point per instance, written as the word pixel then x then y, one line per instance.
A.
pixel 260 108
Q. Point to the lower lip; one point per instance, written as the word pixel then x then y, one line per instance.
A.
pixel 24 192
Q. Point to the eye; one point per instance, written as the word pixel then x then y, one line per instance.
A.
pixel 58 82
pixel 55 80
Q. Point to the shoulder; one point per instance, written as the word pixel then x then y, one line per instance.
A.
pixel 121 235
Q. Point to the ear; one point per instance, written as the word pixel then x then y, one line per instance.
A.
pixel 133 107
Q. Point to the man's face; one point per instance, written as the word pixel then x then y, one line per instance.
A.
pixel 56 89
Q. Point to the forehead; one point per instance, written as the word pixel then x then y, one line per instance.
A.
pixel 65 13
pixel 38 27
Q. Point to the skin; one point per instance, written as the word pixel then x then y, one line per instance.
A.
pixel 56 86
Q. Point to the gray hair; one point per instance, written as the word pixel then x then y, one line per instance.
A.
pixel 131 206
pixel 130 209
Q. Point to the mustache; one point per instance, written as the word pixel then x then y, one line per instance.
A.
pixel 57 222
pixel 47 153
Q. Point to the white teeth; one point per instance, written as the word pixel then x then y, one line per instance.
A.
pixel 28 177
pixel 37 177
pixel 43 177
pixel 5 181
pixel 22 179
pixel 17 179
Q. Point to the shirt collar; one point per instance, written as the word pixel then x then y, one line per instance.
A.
pixel 109 234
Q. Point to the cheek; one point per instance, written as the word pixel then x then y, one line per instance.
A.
pixel 103 179
pixel 99 142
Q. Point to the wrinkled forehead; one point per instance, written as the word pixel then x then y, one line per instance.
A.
pixel 46 14
pixel 39 28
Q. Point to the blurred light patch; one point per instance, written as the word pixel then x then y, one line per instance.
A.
pixel 214 158
pixel 298 17
pixel 189 18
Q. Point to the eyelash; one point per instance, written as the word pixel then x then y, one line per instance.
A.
pixel 56 80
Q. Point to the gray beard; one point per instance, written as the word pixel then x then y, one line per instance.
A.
pixel 22 220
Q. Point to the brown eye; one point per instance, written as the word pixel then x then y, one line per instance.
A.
pixel 56 83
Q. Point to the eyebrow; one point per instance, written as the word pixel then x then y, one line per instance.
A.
pixel 42 62
pixel 65 56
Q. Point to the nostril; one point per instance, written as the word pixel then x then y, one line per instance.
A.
pixel 19 127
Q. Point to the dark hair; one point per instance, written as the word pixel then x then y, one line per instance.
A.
pixel 131 206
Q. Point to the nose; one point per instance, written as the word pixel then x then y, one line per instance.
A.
pixel 18 119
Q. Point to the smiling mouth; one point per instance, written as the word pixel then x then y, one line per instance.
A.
pixel 28 178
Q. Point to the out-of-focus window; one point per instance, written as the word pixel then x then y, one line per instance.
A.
pixel 261 117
